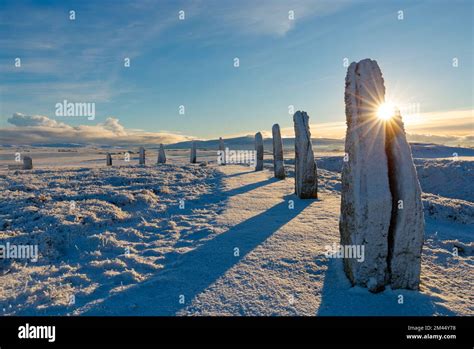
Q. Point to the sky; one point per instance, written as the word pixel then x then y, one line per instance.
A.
pixel 283 62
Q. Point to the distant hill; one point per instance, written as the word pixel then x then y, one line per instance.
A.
pixel 247 143
pixel 46 145
pixel 430 150
pixel 58 145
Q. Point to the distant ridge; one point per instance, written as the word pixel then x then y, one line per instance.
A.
pixel 247 142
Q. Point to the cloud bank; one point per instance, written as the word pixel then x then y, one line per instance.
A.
pixel 39 129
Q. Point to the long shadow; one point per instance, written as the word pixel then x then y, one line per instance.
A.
pixel 338 298
pixel 174 288
pixel 239 174
pixel 249 187
pixel 218 196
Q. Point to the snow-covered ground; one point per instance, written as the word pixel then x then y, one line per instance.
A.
pixel 121 242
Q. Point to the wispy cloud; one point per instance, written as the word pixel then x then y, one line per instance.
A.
pixel 270 17
pixel 81 59
pixel 93 91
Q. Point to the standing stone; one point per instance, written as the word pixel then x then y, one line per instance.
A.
pixel 27 163
pixel 278 166
pixel 366 201
pixel 193 157
pixel 259 149
pixel 381 206
pixel 222 151
pixel 161 155
pixel 141 158
pixel 407 225
pixel 108 159
pixel 306 175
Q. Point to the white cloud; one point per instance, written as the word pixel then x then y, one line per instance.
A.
pixel 21 120
pixel 113 125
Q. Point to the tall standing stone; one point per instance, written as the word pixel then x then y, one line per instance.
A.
pixel 141 156
pixel 27 163
pixel 407 225
pixel 222 151
pixel 366 201
pixel 378 173
pixel 306 175
pixel 278 166
pixel 161 155
pixel 108 159
pixel 259 149
pixel 193 157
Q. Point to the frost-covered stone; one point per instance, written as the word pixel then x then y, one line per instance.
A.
pixel 161 155
pixel 306 180
pixel 278 166
pixel 222 151
pixel 27 163
pixel 407 225
pixel 141 156
pixel 381 205
pixel 259 149
pixel 366 201
pixel 108 159
pixel 193 157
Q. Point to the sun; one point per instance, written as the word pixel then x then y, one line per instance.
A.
pixel 386 111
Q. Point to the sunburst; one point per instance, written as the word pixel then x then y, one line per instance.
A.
pixel 386 111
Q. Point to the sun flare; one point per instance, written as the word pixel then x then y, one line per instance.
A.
pixel 386 111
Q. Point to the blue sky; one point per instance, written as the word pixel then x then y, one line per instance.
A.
pixel 190 62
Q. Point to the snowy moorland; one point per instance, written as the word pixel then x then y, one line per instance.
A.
pixel 202 239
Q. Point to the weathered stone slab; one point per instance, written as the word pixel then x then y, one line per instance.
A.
pixel 278 165
pixel 161 155
pixel 193 157
pixel 381 207
pixel 306 176
pixel 259 149
pixel 366 201
pixel 27 163
pixel 222 151
pixel 108 159
pixel 141 156
pixel 407 225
